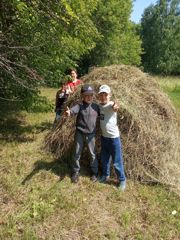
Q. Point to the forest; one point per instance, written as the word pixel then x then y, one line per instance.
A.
pixel 41 40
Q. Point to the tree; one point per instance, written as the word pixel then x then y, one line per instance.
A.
pixel 119 42
pixel 161 37
pixel 40 40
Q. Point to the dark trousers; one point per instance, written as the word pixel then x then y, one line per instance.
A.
pixel 81 138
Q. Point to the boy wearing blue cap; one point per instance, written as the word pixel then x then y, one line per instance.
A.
pixel 87 113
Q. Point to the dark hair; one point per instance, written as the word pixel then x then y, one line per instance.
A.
pixel 74 70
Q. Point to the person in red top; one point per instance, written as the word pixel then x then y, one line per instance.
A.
pixel 75 81
pixel 63 93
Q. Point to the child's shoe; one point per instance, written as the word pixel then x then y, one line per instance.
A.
pixel 103 179
pixel 94 178
pixel 75 177
pixel 122 186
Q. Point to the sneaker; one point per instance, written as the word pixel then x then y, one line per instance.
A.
pixel 122 186
pixel 103 179
pixel 75 177
pixel 94 178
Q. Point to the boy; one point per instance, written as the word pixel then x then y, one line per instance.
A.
pixel 87 113
pixel 110 139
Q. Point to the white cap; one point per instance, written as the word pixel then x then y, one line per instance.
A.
pixel 104 88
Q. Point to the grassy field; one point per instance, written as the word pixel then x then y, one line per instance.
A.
pixel 171 85
pixel 38 200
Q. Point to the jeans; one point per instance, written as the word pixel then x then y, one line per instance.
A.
pixel 80 138
pixel 111 147
pixel 109 167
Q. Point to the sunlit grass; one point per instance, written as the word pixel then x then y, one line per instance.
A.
pixel 38 200
pixel 171 85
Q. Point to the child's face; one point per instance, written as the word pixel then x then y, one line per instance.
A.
pixel 104 97
pixel 87 98
pixel 63 86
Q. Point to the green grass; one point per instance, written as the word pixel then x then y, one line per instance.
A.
pixel 171 85
pixel 38 200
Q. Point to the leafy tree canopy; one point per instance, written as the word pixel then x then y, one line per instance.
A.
pixel 161 37
pixel 41 39
pixel 120 42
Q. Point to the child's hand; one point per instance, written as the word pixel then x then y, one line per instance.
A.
pixel 67 112
pixel 115 107
pixel 68 90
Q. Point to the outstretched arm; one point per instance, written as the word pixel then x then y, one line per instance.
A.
pixel 72 111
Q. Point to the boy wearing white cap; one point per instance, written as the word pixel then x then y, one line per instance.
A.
pixel 110 139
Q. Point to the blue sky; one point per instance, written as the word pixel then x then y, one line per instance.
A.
pixel 138 9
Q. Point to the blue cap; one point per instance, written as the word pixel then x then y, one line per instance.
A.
pixel 87 89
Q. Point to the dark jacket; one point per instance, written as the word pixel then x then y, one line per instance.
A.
pixel 61 98
pixel 86 116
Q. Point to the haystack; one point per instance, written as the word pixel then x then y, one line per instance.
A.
pixel 147 121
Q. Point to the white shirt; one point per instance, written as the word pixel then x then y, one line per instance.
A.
pixel 108 121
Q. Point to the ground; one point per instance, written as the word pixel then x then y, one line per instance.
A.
pixel 38 200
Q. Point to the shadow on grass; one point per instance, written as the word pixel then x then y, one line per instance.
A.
pixel 13 130
pixel 16 129
pixel 13 125
pixel 59 168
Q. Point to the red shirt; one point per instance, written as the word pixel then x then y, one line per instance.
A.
pixel 74 84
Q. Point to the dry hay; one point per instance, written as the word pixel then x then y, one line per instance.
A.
pixel 147 121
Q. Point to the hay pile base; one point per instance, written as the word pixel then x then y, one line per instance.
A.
pixel 147 121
